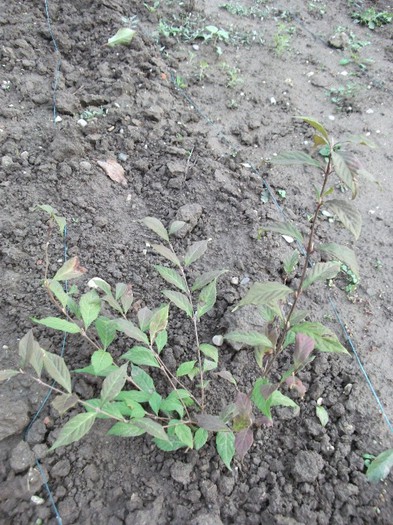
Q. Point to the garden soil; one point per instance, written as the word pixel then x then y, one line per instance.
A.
pixel 193 120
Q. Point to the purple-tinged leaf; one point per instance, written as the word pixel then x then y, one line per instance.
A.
pixel 304 345
pixel 296 384
pixel 127 298
pixel 225 374
pixel 295 158
pixel 346 213
pixel 211 423
pixel 64 402
pixel 243 441
pixel 70 270
pixel 263 421
pixel 243 404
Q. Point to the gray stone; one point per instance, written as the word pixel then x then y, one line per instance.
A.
pixel 339 40
pixel 181 472
pixel 6 161
pixel 175 168
pixel 190 214
pixel 85 166
pixel 147 516
pixel 206 519
pixel 14 417
pixel 21 457
pixel 61 469
pixel 67 103
pixel 35 479
pixel 308 465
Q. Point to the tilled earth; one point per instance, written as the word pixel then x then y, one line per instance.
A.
pixel 187 118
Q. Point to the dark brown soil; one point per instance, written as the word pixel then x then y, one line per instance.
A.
pixel 181 147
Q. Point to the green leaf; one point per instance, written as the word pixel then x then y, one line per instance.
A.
pixel 113 383
pixel 30 352
pixel 158 321
pixel 206 278
pixel 185 368
pixel 106 330
pixel 90 306
pixel 265 294
pixel 380 467
pixel 172 405
pixel 140 355
pixel 157 227
pixel 342 253
pixel 90 370
pixel 225 444
pixel 99 283
pixel 321 272
pixel 170 445
pixel 108 410
pixel 360 139
pixel 322 415
pixel 144 316
pixel 61 222
pixel 122 37
pixel 278 399
pixel 64 402
pixel 167 253
pixel 200 438
pixel 180 300
pixel 316 125
pixel 195 252
pixel 125 430
pixel 291 262
pixel 133 396
pixel 176 226
pixel 152 428
pixel 295 158
pixel 113 303
pixel 284 228
pixel 161 340
pixel 58 291
pixel 209 365
pixel 209 351
pixel 348 214
pixel 183 432
pixel 325 340
pixel 249 338
pixel 344 173
pixel 172 277
pixel 7 374
pixel 262 403
pixel 142 379
pixel 207 299
pixel 57 369
pixel 75 429
pixel 155 402
pixel 58 324
pixel 225 374
pixel 101 360
pixel 127 297
pixel 71 269
pixel 128 328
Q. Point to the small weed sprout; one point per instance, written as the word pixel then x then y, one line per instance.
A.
pixel 372 18
pixel 282 38
pixel 140 393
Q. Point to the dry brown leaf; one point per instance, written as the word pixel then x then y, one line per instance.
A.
pixel 113 170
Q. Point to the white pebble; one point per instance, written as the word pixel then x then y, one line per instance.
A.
pixel 218 340
pixel 82 123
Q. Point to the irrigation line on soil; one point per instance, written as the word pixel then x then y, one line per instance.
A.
pixel 279 208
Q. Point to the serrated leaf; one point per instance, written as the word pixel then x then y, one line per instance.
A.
pixel 125 430
pixel 325 340
pixel 185 368
pixel 304 345
pixel 7 374
pixel 106 330
pixel 133 397
pixel 64 402
pixel 316 125
pixel 249 338
pixel 142 379
pixel 101 360
pixel 176 226
pixel 225 444
pixel 144 315
pixel 113 303
pixel 99 283
pixel 113 383
pixel 172 405
pixel 209 351
pixel 122 37
pixel 380 467
pixel 155 402
pixel 180 300
pixel 210 422
pixel 161 340
pixel 140 355
pixel 342 253
pixel 200 438
pixel 167 253
pixel 152 428
pixel 127 298
pixel 206 299
pixel 58 291
pixel 322 415
pixel 291 262
pixel 344 173
pixel 29 347
pixel 90 306
pixel 157 227
pixel 321 272
pixel 243 442
pixel 295 158
pixel 158 321
pixel 58 324
pixel 172 277
pixel 360 139
pixel 195 252
pixel 183 432
pixel 75 429
pixel 56 368
pixel 348 214
pixel 206 278
pixel 284 228
pixel 128 328
pixel 265 294
pixel 71 269
pixel 278 399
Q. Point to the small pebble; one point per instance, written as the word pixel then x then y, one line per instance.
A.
pixel 58 119
pixel 235 280
pixel 24 155
pixel 370 111
pixel 37 500
pixel 122 157
pixel 244 281
pixel 6 161
pixel 218 340
pixel 273 101
pixel 331 117
pixel 348 389
pixel 82 123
